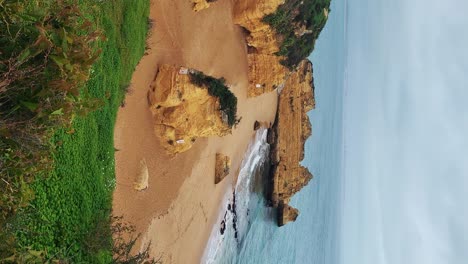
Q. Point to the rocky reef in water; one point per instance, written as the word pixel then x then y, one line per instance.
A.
pixel 183 111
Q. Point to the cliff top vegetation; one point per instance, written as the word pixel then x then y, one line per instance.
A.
pixel 217 87
pixel 298 24
pixel 64 65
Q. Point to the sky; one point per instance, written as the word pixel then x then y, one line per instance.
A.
pixel 405 196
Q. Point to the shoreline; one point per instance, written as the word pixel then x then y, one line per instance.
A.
pixel 233 220
pixel 180 207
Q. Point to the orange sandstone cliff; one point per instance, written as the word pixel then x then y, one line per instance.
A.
pixel 265 71
pixel 249 14
pixel 182 111
pixel 291 130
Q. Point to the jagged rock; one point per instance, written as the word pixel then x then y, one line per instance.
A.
pixel 291 130
pixel 182 111
pixel 141 182
pixel 249 15
pixel 222 167
pixel 286 214
pixel 199 5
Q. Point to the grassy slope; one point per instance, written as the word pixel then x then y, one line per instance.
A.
pixel 77 195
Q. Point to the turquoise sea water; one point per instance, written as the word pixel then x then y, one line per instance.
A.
pixel 314 237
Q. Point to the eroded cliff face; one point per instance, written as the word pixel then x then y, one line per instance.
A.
pixel 182 111
pixel 265 71
pixel 291 130
pixel 222 167
pixel 249 14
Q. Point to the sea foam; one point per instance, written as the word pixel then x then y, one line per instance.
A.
pixel 234 209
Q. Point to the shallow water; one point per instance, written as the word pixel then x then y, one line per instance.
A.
pixel 313 238
pixel 234 220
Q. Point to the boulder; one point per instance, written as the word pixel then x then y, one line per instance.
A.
pixel 222 167
pixel 199 5
pixel 141 181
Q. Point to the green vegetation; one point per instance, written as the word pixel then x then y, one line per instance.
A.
pixel 298 23
pixel 64 68
pixel 218 88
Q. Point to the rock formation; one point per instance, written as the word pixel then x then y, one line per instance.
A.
pixel 291 130
pixel 249 14
pixel 265 71
pixel 292 126
pixel 286 214
pixel 141 182
pixel 199 5
pixel 182 111
pixel 222 167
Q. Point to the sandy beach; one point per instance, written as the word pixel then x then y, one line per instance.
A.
pixel 178 210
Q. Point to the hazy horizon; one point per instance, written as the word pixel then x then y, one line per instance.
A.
pixel 406 119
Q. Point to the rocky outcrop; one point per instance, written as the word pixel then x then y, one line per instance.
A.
pixel 199 5
pixel 222 167
pixel 286 214
pixel 265 71
pixel 290 131
pixel 249 14
pixel 182 111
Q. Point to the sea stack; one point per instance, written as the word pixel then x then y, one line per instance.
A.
pixel 286 213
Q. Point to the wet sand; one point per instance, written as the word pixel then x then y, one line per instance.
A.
pixel 181 204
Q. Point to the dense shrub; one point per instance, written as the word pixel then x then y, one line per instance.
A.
pixel 45 61
pixel 218 88
pixel 58 104
pixel 298 24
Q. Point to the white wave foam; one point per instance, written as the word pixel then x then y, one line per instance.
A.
pixel 218 244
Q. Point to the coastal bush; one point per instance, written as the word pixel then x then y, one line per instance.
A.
pixel 123 247
pixel 60 88
pixel 44 64
pixel 298 24
pixel 218 88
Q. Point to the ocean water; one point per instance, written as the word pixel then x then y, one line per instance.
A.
pixel 314 237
